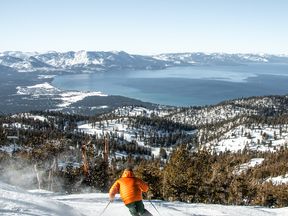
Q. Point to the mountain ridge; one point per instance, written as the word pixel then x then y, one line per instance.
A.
pixel 120 60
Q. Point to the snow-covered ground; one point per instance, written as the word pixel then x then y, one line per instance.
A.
pixel 46 89
pixel 278 180
pixel 71 97
pixel 264 138
pixel 109 126
pixel 31 116
pixel 16 202
pixel 113 126
pixel 122 129
pixel 252 163
pixel 141 111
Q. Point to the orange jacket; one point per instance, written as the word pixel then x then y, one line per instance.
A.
pixel 130 188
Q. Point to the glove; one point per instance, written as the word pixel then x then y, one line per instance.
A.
pixel 111 198
pixel 149 196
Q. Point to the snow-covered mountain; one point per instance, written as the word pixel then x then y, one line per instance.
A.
pixel 19 54
pixel 199 58
pixel 22 64
pixel 99 60
pixel 104 61
pixel 15 201
pixel 81 60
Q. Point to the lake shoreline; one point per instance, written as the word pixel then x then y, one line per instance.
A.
pixel 211 87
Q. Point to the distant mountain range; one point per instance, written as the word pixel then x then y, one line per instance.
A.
pixel 105 61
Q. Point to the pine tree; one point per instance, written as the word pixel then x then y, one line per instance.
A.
pixel 99 176
pixel 175 176
pixel 150 172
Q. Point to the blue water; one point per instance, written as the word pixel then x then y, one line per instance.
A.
pixel 185 86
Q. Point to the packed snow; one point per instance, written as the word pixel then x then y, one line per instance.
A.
pixel 15 202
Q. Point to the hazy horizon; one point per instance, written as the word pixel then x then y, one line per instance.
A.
pixel 139 53
pixel 145 27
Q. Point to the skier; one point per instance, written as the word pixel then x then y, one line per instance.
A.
pixel 130 189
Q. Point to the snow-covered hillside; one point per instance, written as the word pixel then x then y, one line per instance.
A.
pixel 199 58
pixel 81 60
pixel 102 61
pixel 233 132
pixel 22 63
pixel 15 201
pixel 46 89
pixel 264 138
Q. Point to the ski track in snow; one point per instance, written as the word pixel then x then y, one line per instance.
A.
pixel 16 202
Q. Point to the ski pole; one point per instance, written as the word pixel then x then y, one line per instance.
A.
pixel 105 208
pixel 154 207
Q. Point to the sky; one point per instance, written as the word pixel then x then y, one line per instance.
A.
pixel 145 26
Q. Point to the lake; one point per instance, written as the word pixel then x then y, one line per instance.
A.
pixel 184 86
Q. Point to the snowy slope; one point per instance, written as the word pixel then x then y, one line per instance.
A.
pixel 253 139
pixel 278 180
pixel 16 202
pixel 99 60
pixel 46 89
pixel 22 63
pixel 102 61
pixel 213 58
